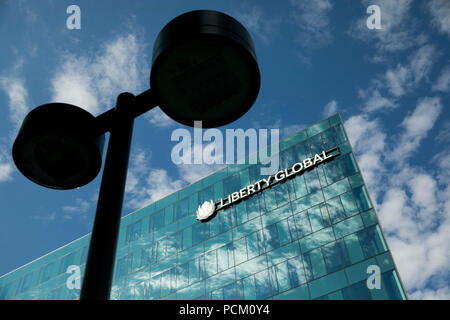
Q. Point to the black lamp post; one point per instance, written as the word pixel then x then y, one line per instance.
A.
pixel 204 68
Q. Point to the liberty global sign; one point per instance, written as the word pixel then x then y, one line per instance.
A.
pixel 207 210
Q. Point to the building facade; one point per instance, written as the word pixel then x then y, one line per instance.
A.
pixel 312 235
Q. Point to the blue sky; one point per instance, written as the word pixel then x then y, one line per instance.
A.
pixel 391 87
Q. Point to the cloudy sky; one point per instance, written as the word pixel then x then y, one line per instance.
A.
pixel 391 86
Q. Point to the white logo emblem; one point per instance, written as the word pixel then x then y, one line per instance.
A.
pixel 205 210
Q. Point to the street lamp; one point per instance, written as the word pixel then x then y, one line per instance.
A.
pixel 204 68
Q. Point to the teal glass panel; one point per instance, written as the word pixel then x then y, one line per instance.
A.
pixel 336 189
pixel 255 244
pixel 282 274
pixel 334 256
pixel 376 239
pixel 358 272
pixel 300 186
pixel 312 181
pixel 359 291
pixel 315 217
pixel 335 120
pixel 385 262
pixel 326 284
pixel 299 293
pixel 271 237
pixel 366 244
pixel 241 212
pixel 190 253
pixel 251 266
pixel 336 295
pixel 283 253
pixel 215 177
pixel 218 191
pixel 187 238
pixel 348 226
pixel 270 200
pixel 297 272
pixel 308 201
pixel 262 284
pixel 356 180
pixel 168 215
pixel 240 250
pixel 252 207
pixel 354 248
pixel 194 271
pixel 217 294
pixel 249 288
pixel 247 228
pixel 191 292
pixel 348 201
pixel 362 198
pixel 218 241
pixel 281 194
pixel 335 210
pixel 244 178
pixel 273 280
pixel 346 149
pixel 340 134
pixel 295 139
pixel 349 164
pixel 369 218
pixel 276 215
pixel 317 263
pixel 233 291
pixel 211 263
pixel 326 220
pixel 284 235
pixel 221 279
pixel 321 174
pixel 302 224
pixel 318 127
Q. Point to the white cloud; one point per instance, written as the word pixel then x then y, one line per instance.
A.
pixel 374 101
pixel 404 78
pixel 94 82
pixel 440 13
pixel 443 81
pixel 14 88
pixel 397 31
pixel 330 108
pixel 427 294
pixel 416 126
pixel 158 118
pixel 263 26
pixel 6 167
pixel 313 22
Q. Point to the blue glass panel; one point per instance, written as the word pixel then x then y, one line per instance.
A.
pixel 362 198
pixel 211 263
pixel 281 194
pixel 376 239
pixel 46 272
pixel 271 237
pixel 297 273
pixel 393 286
pixel 200 232
pixel 336 210
pixel 332 257
pixel 155 287
pixel 315 217
pixel 284 235
pixel 333 171
pixel 249 288
pixel 366 246
pixel 327 284
pixel 182 275
pixel 183 208
pixel 349 164
pixel 359 291
pixel 298 293
pixel 262 284
pixel 282 277
pixel 340 134
pixel 348 226
pixel 312 181
pixel 354 249
pixel 233 291
pixel 255 244
pixel 303 225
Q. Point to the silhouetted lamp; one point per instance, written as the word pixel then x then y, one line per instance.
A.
pixel 203 68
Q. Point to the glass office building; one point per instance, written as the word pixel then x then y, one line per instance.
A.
pixel 312 236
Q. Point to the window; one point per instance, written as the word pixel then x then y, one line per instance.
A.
pixel 46 272
pixel 133 231
pixel 66 261
pixel 124 266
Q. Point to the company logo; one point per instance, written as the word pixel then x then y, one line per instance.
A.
pixel 206 210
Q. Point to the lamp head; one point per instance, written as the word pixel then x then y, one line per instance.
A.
pixel 57 146
pixel 204 68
